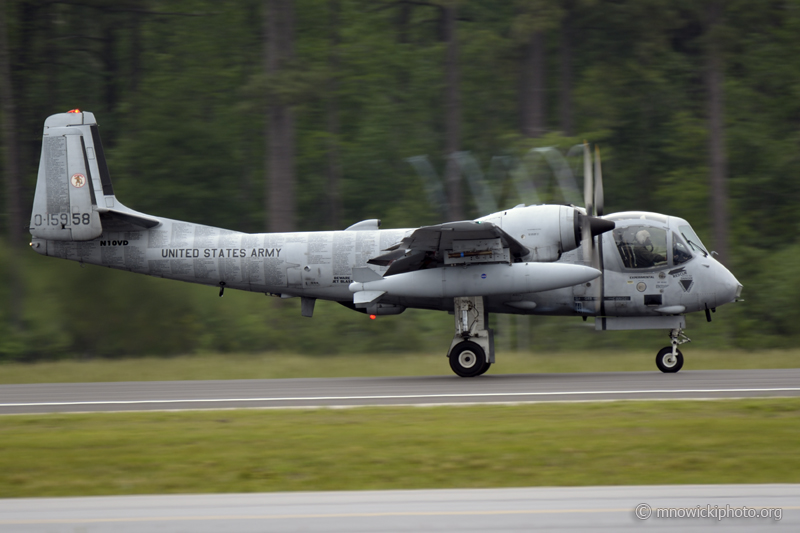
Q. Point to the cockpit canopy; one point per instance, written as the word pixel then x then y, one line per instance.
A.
pixel 651 240
pixel 641 246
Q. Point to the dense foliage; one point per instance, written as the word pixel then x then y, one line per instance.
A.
pixel 180 91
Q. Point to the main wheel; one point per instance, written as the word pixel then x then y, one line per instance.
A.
pixel 485 368
pixel 667 363
pixel 468 360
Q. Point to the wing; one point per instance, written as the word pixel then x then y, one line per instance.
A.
pixel 434 246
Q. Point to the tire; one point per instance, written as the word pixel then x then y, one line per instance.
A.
pixel 666 363
pixel 468 360
pixel 485 368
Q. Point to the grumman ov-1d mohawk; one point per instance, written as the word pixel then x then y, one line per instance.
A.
pixel 631 270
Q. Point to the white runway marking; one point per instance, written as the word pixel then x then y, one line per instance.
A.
pixel 313 515
pixel 399 397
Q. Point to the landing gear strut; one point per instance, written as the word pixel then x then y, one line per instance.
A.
pixel 670 359
pixel 472 351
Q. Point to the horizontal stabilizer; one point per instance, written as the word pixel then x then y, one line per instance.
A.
pixel 366 297
pixel 365 275
pixel 137 219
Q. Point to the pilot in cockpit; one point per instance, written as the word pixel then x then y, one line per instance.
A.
pixel 643 251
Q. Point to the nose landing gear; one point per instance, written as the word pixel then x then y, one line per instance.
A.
pixel 668 362
pixel 670 359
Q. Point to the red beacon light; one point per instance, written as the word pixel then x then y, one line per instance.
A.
pixel 76 110
pixel 373 317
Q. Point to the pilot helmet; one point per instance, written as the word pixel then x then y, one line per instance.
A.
pixel 642 236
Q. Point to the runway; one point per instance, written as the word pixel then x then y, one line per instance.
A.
pixel 431 390
pixel 562 509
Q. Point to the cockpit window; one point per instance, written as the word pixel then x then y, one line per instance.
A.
pixel 680 252
pixel 694 241
pixel 642 246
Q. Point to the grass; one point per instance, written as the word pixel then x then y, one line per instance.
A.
pixel 676 442
pixel 276 365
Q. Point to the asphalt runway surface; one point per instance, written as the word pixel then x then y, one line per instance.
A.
pixel 503 510
pixel 429 390
pixel 564 509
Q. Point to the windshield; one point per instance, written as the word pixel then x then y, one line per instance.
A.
pixel 680 252
pixel 693 240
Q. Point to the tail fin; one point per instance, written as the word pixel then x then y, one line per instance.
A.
pixel 74 188
pixel 70 180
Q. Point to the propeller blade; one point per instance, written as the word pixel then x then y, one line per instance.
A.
pixel 591 227
pixel 593 252
pixel 590 257
pixel 587 179
pixel 587 241
pixel 598 188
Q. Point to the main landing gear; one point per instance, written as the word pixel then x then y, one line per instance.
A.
pixel 670 359
pixel 472 351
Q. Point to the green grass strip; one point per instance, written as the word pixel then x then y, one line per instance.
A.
pixel 282 365
pixel 637 442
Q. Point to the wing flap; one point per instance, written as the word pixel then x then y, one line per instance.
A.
pixel 426 246
pixel 441 237
pixel 387 258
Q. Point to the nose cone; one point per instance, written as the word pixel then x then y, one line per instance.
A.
pixel 728 287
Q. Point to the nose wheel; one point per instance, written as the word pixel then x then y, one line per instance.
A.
pixel 669 362
pixel 670 359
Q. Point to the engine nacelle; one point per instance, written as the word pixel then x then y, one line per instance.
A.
pixel 548 230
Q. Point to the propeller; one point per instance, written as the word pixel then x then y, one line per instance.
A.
pixel 591 223
pixel 587 179
pixel 587 240
pixel 598 188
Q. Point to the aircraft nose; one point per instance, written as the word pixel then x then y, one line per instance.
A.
pixel 729 288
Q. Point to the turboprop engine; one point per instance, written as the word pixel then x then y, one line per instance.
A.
pixel 549 230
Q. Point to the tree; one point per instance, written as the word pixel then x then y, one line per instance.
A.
pixel 534 19
pixel 714 80
pixel 11 154
pixel 280 127
pixel 333 120
pixel 12 175
pixel 452 107
pixel 565 67
pixel 532 90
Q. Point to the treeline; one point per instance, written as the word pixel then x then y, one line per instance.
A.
pixel 278 114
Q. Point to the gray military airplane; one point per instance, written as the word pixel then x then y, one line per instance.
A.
pixel 630 271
